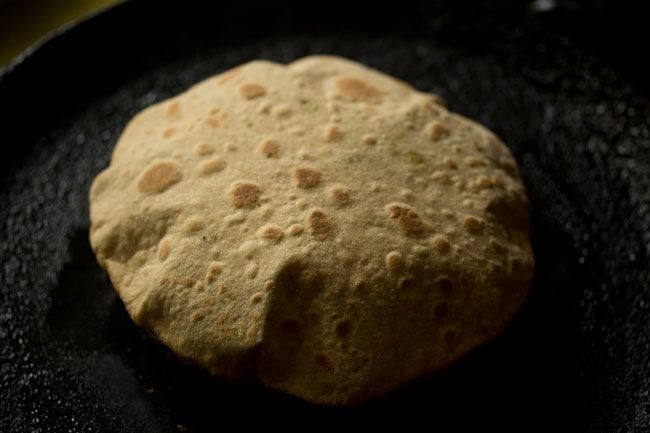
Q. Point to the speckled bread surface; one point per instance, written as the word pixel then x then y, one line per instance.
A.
pixel 320 226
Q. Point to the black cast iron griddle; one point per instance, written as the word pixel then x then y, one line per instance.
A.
pixel 576 358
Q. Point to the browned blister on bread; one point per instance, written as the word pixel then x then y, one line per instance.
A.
pixel 319 225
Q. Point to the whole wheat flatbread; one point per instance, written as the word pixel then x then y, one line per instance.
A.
pixel 320 225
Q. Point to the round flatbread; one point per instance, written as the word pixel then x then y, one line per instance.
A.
pixel 319 225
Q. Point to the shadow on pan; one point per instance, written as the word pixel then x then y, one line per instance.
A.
pixel 575 358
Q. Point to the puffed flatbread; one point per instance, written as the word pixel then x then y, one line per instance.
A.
pixel 320 225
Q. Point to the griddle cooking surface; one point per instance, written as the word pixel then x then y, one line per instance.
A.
pixel 576 358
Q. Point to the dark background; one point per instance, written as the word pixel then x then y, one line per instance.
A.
pixel 566 88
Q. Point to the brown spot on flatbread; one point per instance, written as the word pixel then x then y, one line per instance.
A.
pixel 474 161
pixel 359 285
pixel 509 166
pixel 271 232
pixel 264 107
pixel 333 133
pixel 450 163
pixel 211 166
pixel 169 132
pixel 408 220
pixel 437 131
pixel 484 182
pixel 305 177
pixel 214 269
pixel 282 111
pixel 174 109
pixel 163 249
pixel 244 194
pixel 213 121
pixel 252 90
pixel 498 246
pixel 406 283
pixel 204 149
pixel 356 90
pixel 193 224
pixel 257 298
pixel 159 177
pixel 339 193
pixel 441 244
pixel 319 223
pixel 269 147
pixel 440 176
pixel 473 224
pixel 369 139
pixel 394 261
pixel 295 229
